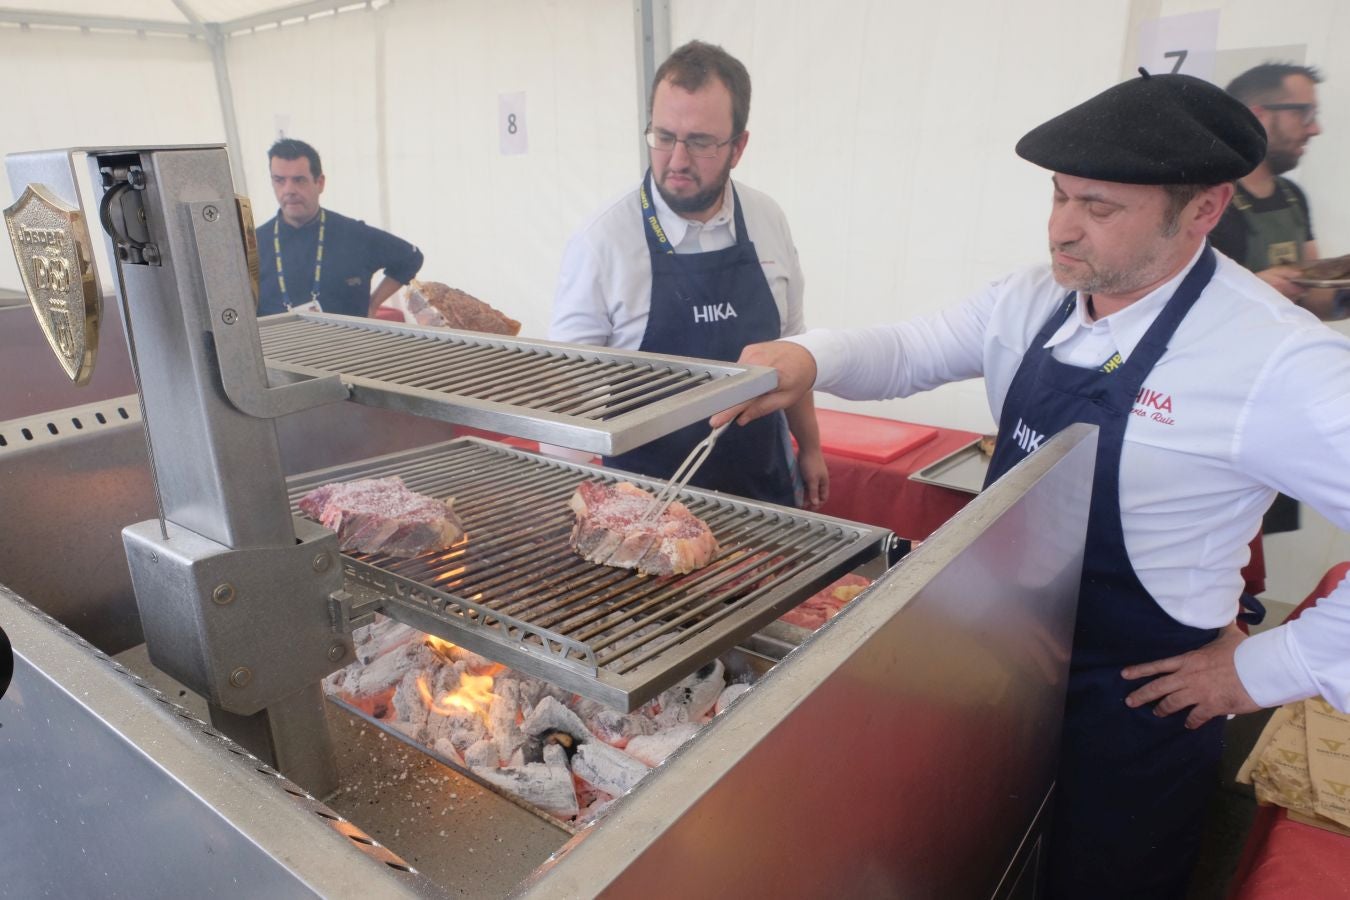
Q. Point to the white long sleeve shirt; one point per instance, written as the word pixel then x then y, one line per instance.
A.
pixel 605 284
pixel 1252 397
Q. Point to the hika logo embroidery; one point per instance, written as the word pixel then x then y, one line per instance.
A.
pixel 1154 405
pixel 714 312
pixel 1026 437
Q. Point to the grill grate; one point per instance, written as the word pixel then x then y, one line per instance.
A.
pixel 599 400
pixel 516 592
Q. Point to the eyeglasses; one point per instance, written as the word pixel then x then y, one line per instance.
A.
pixel 704 147
pixel 1307 111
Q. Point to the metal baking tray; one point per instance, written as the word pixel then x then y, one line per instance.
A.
pixel 515 591
pixel 598 400
pixel 963 469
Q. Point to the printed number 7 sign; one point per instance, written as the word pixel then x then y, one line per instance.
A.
pixel 1180 56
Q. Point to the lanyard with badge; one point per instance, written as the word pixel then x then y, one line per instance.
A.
pixel 313 304
pixel 1116 361
pixel 658 234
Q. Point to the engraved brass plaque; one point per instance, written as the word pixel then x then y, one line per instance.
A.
pixel 56 261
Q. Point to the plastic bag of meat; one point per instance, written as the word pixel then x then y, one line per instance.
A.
pixel 380 515
pixel 607 531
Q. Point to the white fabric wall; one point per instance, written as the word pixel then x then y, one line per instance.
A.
pixel 490 224
pixel 68 88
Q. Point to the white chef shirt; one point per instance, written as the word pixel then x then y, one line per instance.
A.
pixel 605 285
pixel 1252 396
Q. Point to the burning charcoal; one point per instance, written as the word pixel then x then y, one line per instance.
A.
pixel 556 755
pixel 370 687
pixel 547 787
pixel 609 769
pixel 460 728
pixel 380 637
pixel 409 708
pixel 537 747
pixel 693 698
pixel 550 715
pixel 482 755
pixel 502 718
pixel 729 696
pixel 653 749
pixel 448 751
pixel 616 728
pixel 517 759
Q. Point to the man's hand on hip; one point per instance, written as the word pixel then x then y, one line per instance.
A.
pixel 1204 681
pixel 796 374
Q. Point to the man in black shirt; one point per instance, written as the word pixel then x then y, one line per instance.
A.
pixel 1268 226
pixel 313 258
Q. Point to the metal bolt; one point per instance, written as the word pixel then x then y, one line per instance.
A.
pixel 336 652
pixel 150 253
pixel 241 676
pixel 229 317
pixel 322 562
pixel 223 594
pixel 210 214
pixel 136 178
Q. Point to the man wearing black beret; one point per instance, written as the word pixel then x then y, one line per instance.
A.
pixel 1210 392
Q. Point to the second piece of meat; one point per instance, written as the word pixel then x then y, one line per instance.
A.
pixel 381 515
pixel 609 530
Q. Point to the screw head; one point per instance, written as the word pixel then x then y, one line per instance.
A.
pixel 321 562
pixel 223 594
pixel 150 253
pixel 241 676
pixel 336 652
pixel 229 316
pixel 210 214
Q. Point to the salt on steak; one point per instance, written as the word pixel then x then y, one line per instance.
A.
pixel 380 515
pixel 607 531
pixel 433 303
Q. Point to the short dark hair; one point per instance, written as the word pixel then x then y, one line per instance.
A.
pixel 1265 81
pixel 690 66
pixel 1178 195
pixel 290 148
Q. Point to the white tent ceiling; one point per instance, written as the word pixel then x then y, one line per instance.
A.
pixel 187 16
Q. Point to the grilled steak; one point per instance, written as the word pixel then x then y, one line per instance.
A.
pixel 433 303
pixel 607 531
pixel 380 515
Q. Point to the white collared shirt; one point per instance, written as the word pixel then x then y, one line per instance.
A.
pixel 1252 397
pixel 605 283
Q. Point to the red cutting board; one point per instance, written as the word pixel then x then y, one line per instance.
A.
pixel 868 437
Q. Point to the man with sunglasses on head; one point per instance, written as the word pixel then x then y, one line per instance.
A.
pixel 1268 226
pixel 690 263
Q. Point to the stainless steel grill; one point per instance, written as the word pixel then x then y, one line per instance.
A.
pixel 516 592
pixel 602 401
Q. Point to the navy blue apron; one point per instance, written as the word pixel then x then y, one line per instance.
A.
pixel 1132 787
pixel 710 305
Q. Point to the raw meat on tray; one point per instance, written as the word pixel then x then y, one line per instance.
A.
pixel 608 531
pixel 823 605
pixel 380 515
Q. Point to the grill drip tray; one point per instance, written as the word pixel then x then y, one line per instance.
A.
pixel 515 592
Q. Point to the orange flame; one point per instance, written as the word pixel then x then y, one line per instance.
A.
pixel 474 693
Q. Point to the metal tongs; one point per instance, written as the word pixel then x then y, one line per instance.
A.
pixel 697 456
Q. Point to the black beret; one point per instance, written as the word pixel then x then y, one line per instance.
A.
pixel 1156 129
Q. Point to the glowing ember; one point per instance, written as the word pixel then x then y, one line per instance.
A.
pixel 472 695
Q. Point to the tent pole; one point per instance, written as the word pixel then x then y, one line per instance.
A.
pixel 215 39
pixel 651 39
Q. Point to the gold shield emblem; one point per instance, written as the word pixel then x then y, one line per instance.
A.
pixel 56 261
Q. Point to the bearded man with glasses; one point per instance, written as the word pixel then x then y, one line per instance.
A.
pixel 1268 226
pixel 691 264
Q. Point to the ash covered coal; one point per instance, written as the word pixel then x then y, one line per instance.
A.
pixel 566 755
